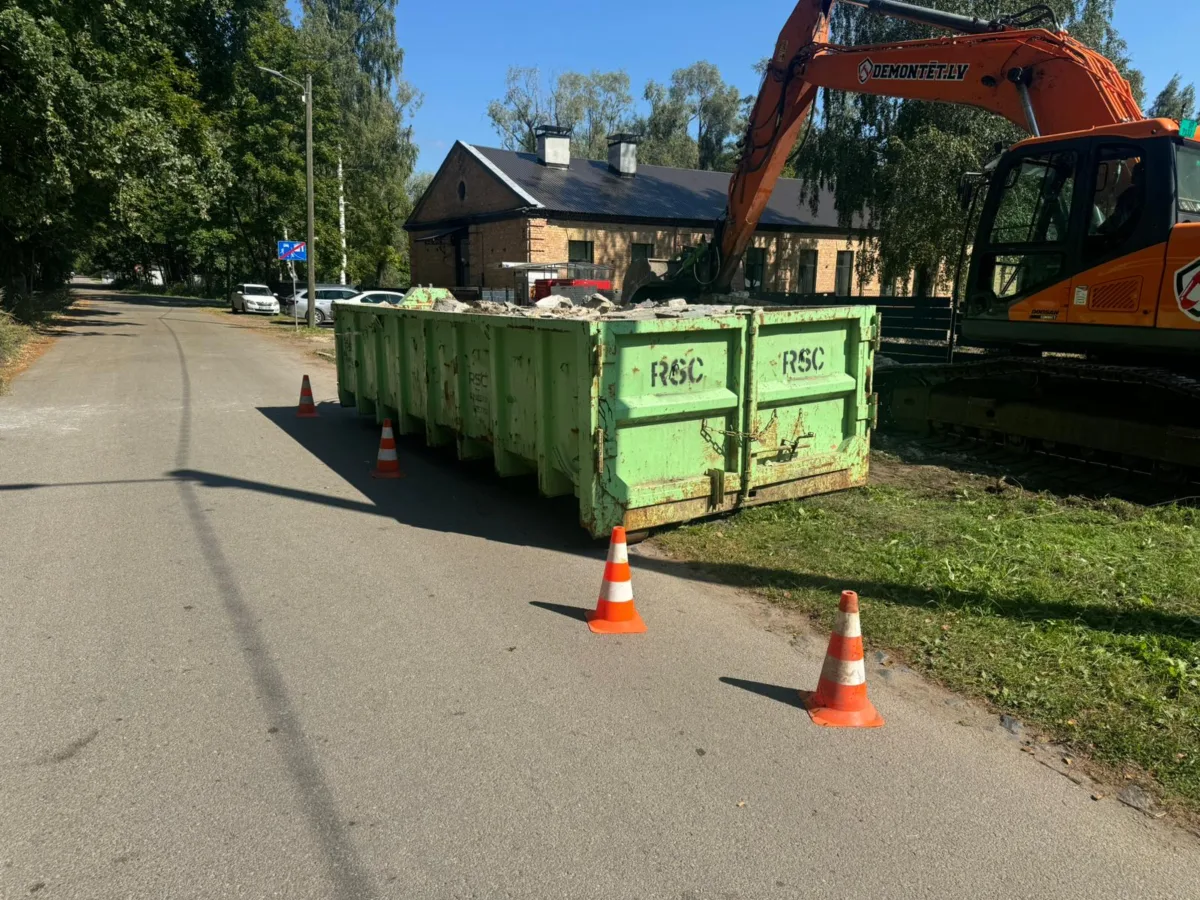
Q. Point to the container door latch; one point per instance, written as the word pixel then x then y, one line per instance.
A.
pixel 716 492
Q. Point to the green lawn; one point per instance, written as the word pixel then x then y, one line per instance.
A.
pixel 1082 617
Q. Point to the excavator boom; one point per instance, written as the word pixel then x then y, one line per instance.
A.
pixel 1043 81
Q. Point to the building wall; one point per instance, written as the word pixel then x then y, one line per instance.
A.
pixel 483 192
pixel 431 262
pixel 612 246
pixel 542 240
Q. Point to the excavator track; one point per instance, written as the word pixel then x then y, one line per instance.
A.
pixel 1139 420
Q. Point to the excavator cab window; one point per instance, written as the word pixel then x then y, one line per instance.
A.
pixel 1118 199
pixel 1026 242
pixel 1187 164
pixel 1055 210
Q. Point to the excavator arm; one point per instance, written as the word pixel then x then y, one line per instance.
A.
pixel 1041 80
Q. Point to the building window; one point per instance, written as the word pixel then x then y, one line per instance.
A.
pixel 806 283
pixel 888 288
pixel 581 251
pixel 642 252
pixel 756 266
pixel 845 272
pixel 462 190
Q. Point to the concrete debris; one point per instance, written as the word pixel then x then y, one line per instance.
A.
pixel 555 301
pixel 1141 800
pixel 491 308
pixel 595 307
pixel 600 302
pixel 1011 725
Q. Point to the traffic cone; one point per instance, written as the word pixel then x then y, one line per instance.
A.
pixel 307 409
pixel 387 465
pixel 840 700
pixel 615 612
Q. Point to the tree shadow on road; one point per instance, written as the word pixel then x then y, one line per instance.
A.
pixel 149 299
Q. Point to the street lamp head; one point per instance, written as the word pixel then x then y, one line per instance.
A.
pixel 280 75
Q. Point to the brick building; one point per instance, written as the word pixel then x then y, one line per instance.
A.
pixel 486 207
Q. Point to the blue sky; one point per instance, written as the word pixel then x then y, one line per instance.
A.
pixel 457 53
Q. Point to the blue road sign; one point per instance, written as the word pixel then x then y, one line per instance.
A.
pixel 293 250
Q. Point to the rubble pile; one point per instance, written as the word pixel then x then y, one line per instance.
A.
pixel 557 306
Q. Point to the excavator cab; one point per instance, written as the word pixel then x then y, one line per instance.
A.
pixel 1070 248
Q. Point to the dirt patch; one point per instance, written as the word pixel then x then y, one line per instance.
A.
pixel 928 478
pixel 316 342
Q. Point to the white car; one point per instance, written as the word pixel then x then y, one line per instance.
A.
pixel 255 298
pixel 395 298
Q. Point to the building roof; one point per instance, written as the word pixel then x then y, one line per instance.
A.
pixel 656 194
pixel 589 187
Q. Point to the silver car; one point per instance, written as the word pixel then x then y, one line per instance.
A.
pixel 255 298
pixel 297 305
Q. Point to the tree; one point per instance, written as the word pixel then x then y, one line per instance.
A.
pixel 713 106
pixel 592 105
pixel 372 144
pixel 141 135
pixel 665 138
pixel 691 121
pixel 523 108
pixel 1175 101
pixel 893 165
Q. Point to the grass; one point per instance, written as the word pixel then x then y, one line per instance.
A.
pixel 13 337
pixel 1081 617
pixel 22 318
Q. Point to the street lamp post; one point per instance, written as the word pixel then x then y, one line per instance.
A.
pixel 311 320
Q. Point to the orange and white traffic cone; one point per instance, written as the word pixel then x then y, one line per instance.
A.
pixel 387 465
pixel 615 612
pixel 840 700
pixel 307 409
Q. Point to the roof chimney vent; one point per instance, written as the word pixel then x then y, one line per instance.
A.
pixel 553 145
pixel 622 153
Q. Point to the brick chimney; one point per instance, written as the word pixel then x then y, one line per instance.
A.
pixel 553 145
pixel 622 153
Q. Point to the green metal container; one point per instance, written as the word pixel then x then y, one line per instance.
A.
pixel 647 421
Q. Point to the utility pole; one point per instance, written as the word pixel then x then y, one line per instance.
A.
pixel 312 237
pixel 311 250
pixel 342 214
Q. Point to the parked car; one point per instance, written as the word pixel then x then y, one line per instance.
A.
pixel 256 298
pixel 393 297
pixel 297 304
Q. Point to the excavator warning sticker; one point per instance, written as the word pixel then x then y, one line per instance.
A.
pixel 930 71
pixel 1187 290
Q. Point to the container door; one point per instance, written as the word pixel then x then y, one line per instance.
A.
pixel 668 416
pixel 700 415
pixel 807 403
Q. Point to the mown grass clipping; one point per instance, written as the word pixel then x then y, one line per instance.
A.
pixel 1082 617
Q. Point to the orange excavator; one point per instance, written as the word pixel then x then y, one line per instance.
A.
pixel 1085 263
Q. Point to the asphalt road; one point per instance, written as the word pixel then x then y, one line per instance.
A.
pixel 232 665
